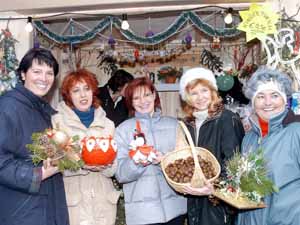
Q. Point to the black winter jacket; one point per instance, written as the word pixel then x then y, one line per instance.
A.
pixel 222 135
pixel 25 198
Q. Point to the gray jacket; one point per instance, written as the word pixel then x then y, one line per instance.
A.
pixel 281 150
pixel 148 197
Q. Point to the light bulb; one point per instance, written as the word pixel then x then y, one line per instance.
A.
pixel 29 27
pixel 125 24
pixel 228 18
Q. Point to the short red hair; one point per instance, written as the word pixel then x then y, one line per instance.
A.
pixel 141 82
pixel 79 76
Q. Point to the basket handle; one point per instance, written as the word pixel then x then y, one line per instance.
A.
pixel 198 178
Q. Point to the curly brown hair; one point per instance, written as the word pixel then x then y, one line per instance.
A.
pixel 78 76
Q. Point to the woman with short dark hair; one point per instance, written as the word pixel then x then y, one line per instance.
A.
pixel 30 195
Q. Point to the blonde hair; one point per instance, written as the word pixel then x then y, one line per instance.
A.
pixel 215 105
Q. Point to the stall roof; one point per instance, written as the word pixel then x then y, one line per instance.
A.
pixel 113 6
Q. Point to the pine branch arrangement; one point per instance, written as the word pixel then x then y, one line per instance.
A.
pixel 247 177
pixel 63 151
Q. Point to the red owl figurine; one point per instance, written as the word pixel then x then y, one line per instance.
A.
pixel 98 151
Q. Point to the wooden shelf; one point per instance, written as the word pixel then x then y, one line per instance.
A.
pixel 167 87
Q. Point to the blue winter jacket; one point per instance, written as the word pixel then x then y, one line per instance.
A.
pixel 282 152
pixel 148 197
pixel 25 198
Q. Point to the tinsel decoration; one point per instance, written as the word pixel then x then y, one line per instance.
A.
pixel 8 61
pixel 135 38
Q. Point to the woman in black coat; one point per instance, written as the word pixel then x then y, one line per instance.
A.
pixel 214 128
pixel 30 195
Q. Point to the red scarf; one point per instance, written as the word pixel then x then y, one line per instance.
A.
pixel 264 126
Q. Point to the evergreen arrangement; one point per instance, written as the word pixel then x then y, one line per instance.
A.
pixel 63 151
pixel 247 177
pixel 8 61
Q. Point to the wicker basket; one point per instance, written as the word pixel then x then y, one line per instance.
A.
pixel 239 202
pixel 184 153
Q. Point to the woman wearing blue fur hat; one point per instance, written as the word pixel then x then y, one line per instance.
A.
pixel 214 128
pixel 274 129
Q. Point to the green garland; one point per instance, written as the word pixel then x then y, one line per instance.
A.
pixel 132 36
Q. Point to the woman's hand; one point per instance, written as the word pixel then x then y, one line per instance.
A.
pixel 158 158
pixel 96 168
pixel 48 170
pixel 207 189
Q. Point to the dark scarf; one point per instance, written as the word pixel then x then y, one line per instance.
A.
pixel 86 117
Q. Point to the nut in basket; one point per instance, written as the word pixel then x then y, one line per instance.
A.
pixel 178 166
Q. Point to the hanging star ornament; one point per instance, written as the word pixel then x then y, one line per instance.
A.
pixel 258 21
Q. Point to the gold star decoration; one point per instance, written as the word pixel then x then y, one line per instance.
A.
pixel 258 21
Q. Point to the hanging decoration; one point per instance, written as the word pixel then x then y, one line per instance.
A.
pixel 135 38
pixel 107 62
pixel 8 61
pixel 297 43
pixel 188 40
pixel 225 81
pixel 210 60
pixel 111 41
pixel 258 21
pixel 216 43
pixel 273 47
pixel 149 33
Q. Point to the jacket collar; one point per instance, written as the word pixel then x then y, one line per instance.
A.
pixel 155 116
pixel 275 122
pixel 290 118
pixel 28 98
pixel 191 120
pixel 70 116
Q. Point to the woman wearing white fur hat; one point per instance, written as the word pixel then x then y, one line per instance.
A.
pixel 214 128
pixel 274 129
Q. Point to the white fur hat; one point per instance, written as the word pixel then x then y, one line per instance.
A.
pixel 194 74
